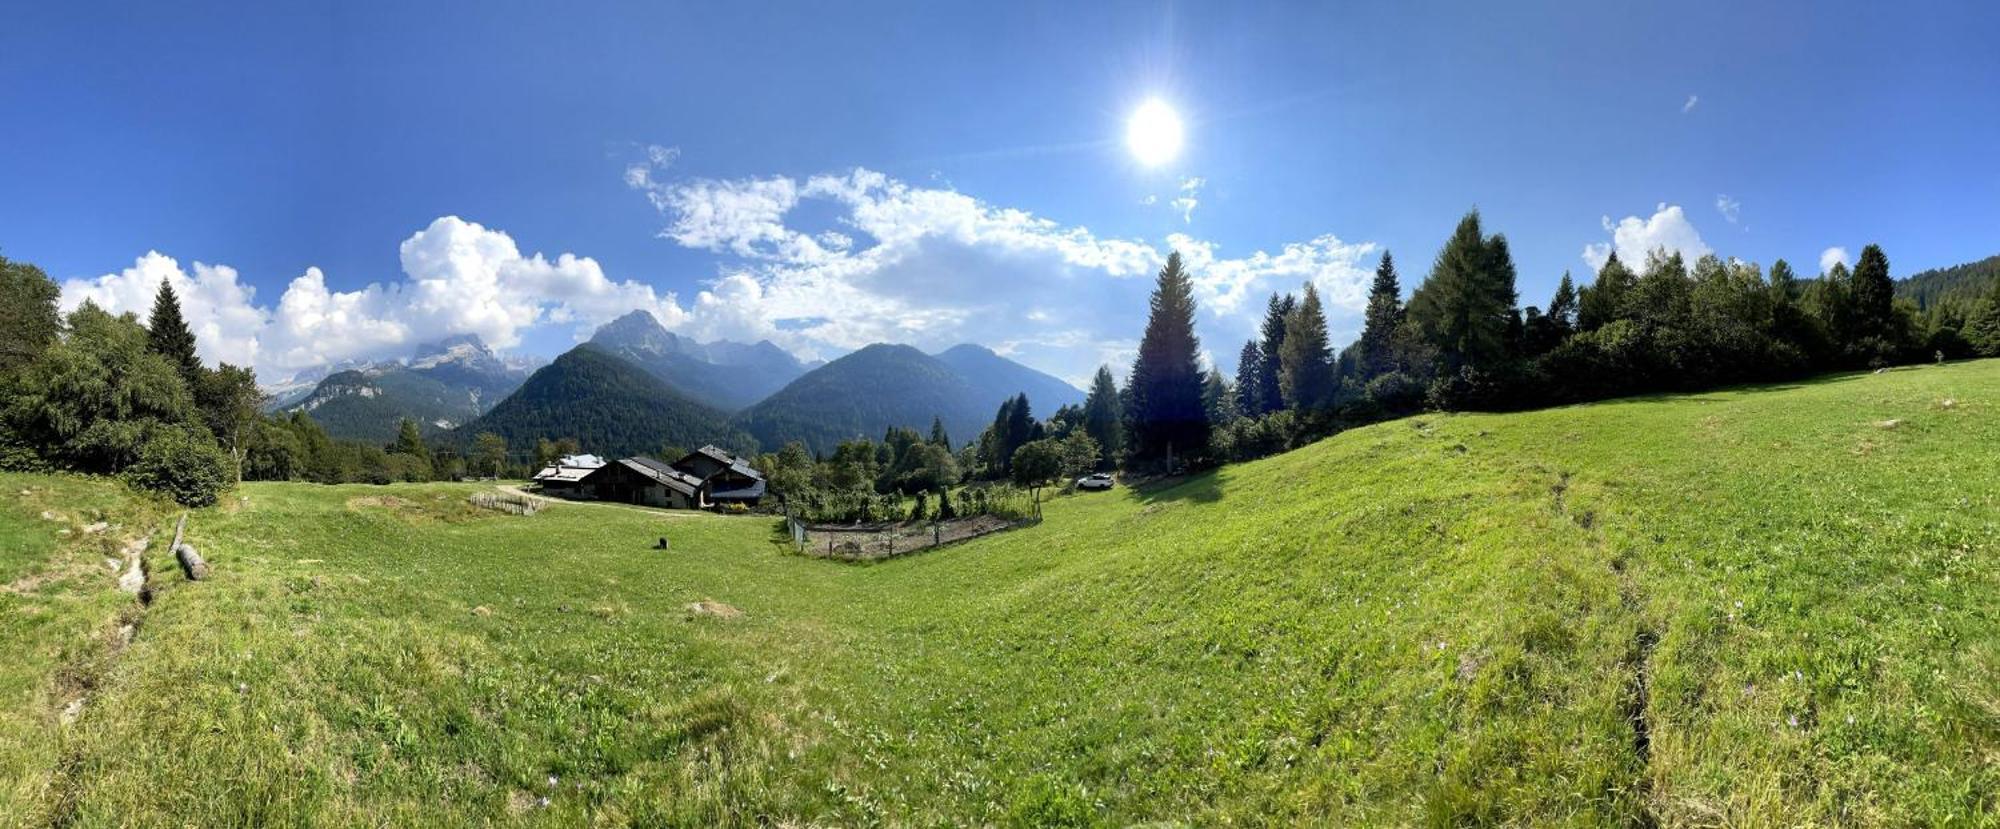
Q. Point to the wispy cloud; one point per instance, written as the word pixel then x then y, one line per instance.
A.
pixel 1187 200
pixel 1689 106
pixel 1728 207
pixel 1832 256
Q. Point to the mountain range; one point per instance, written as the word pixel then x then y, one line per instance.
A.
pixel 635 387
pixel 441 386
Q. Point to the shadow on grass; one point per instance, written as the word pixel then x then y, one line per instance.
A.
pixel 1201 488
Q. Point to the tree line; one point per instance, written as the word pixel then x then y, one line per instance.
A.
pixel 1462 341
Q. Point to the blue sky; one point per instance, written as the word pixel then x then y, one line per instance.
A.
pixel 826 176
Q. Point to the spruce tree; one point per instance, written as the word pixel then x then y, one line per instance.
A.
pixel 1873 294
pixel 1604 300
pixel 1249 379
pixel 1269 397
pixel 1306 376
pixel 1217 398
pixel 1385 312
pixel 1167 415
pixel 1562 307
pixel 938 437
pixel 409 441
pixel 1466 306
pixel 1103 416
pixel 167 334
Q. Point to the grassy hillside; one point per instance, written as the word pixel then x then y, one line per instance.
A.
pixel 1756 607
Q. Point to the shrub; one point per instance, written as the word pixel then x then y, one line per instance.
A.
pixel 182 464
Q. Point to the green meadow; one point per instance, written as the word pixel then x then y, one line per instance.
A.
pixel 1760 606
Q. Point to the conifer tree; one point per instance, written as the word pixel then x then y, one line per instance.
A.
pixel 1167 415
pixel 938 437
pixel 1562 307
pixel 1306 373
pixel 1103 416
pixel 1217 398
pixel 1603 301
pixel 1249 379
pixel 168 334
pixel 1385 312
pixel 1873 294
pixel 1466 306
pixel 1269 397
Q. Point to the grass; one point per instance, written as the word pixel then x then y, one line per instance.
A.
pixel 1754 607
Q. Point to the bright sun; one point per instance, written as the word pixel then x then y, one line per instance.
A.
pixel 1153 133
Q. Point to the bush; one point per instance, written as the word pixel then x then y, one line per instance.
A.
pixel 182 464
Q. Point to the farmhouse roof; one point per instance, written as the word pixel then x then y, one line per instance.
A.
pixel 564 474
pixel 673 478
pixel 735 464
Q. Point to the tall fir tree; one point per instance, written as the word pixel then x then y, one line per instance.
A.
pixel 1873 293
pixel 1167 415
pixel 167 334
pixel 1562 306
pixel 1604 299
pixel 1385 312
pixel 1269 397
pixel 938 436
pixel 1249 377
pixel 1217 397
pixel 1306 376
pixel 409 441
pixel 1103 416
pixel 1466 306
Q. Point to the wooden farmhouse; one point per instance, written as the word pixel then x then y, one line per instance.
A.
pixel 704 478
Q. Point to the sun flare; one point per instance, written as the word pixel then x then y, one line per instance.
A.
pixel 1153 134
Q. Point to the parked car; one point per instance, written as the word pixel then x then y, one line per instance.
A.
pixel 1097 480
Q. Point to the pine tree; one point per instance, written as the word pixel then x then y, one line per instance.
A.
pixel 938 437
pixel 1167 414
pixel 1103 416
pixel 1306 374
pixel 1217 398
pixel 168 334
pixel 1466 306
pixel 409 441
pixel 1249 376
pixel 1562 307
pixel 1873 294
pixel 1603 301
pixel 1385 312
pixel 1269 397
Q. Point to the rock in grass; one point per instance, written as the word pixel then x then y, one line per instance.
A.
pixel 1890 423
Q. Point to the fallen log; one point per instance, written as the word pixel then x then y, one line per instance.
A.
pixel 190 560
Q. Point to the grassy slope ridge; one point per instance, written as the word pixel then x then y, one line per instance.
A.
pixel 1441 619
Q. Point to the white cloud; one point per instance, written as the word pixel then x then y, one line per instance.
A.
pixel 459 278
pixel 1632 238
pixel 1689 106
pixel 1728 207
pixel 1187 202
pixel 932 267
pixel 1832 256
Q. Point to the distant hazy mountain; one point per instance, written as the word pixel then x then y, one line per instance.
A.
pixel 726 375
pixel 611 406
pixel 443 385
pixel 870 390
pixel 998 378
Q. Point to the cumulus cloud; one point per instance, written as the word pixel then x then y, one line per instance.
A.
pixel 458 278
pixel 1728 207
pixel 1689 106
pixel 1832 256
pixel 1632 238
pixel 932 267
